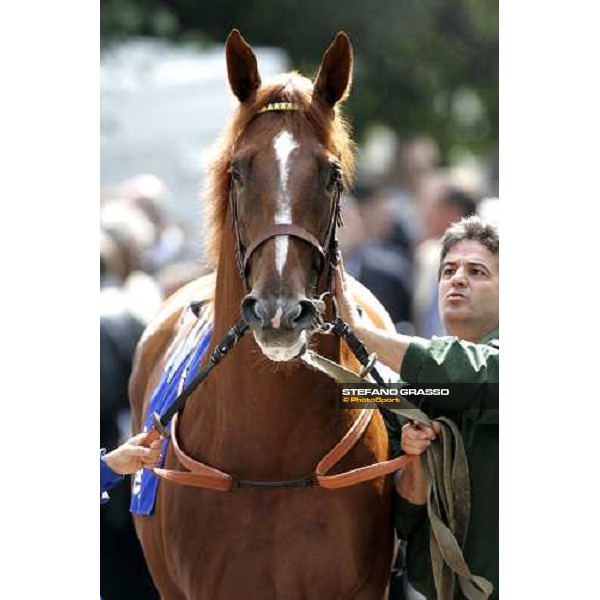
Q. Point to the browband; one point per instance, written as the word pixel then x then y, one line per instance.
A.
pixel 279 106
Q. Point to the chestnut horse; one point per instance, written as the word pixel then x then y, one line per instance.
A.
pixel 262 414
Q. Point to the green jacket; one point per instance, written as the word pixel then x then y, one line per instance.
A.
pixel 449 360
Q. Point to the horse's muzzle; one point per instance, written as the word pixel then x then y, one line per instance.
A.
pixel 275 315
pixel 279 325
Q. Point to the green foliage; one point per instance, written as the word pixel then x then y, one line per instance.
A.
pixel 422 66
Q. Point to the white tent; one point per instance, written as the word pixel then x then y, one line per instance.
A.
pixel 162 107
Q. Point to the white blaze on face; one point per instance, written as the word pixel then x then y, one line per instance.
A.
pixel 284 143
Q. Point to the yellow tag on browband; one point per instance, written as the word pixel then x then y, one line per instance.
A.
pixel 278 106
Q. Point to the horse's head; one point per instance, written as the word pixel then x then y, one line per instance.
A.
pixel 285 177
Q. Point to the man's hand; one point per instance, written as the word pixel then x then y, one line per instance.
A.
pixel 347 308
pixel 133 455
pixel 411 482
pixel 416 439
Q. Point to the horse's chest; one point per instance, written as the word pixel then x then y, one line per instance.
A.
pixel 276 543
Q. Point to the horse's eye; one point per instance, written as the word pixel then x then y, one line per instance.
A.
pixel 236 176
pixel 335 177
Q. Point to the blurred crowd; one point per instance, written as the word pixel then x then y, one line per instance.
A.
pixel 145 255
pixel 394 224
pixel 390 242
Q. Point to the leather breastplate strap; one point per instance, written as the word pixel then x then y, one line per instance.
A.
pixel 204 476
pixel 198 474
pixel 360 474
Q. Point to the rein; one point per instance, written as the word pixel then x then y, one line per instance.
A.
pixel 448 491
pixel 232 337
pixel 201 475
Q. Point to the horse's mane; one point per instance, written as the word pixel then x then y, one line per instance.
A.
pixel 329 125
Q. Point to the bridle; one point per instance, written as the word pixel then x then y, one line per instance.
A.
pixel 327 249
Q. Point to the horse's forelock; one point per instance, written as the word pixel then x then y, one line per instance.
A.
pixel 332 130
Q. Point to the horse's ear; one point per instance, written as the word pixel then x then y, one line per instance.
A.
pixel 335 75
pixel 242 69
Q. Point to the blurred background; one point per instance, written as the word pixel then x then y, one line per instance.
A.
pixel 424 109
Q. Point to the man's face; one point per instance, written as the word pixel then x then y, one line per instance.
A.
pixel 469 290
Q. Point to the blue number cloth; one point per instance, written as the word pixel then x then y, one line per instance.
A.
pixel 184 363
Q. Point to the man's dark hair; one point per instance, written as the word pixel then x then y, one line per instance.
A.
pixel 471 228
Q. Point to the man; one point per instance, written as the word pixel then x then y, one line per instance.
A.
pixel 468 301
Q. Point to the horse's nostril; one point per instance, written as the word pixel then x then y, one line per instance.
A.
pixel 248 309
pixel 306 313
pixel 262 313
